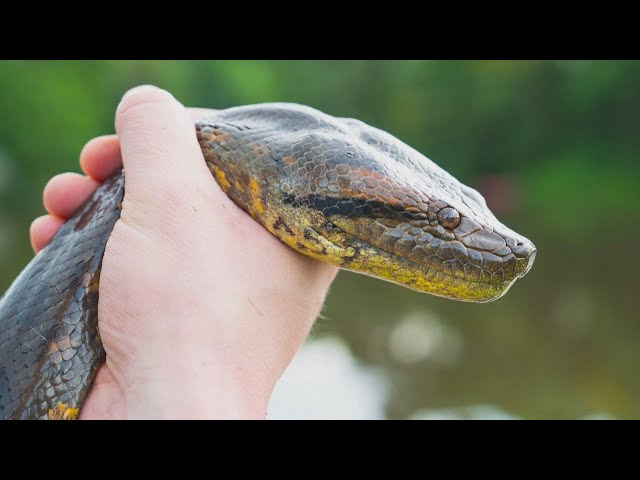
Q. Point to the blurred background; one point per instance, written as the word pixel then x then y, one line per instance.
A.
pixel 554 148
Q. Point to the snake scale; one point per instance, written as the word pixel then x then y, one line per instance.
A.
pixel 334 189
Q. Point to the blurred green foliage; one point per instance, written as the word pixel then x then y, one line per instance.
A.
pixel 561 344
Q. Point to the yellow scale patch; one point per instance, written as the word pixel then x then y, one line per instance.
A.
pixel 63 412
pixel 221 178
pixel 255 195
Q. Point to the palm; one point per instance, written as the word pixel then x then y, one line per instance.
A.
pixel 106 400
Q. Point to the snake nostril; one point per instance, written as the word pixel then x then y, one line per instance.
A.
pixel 517 244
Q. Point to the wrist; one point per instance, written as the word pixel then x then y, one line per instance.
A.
pixel 194 394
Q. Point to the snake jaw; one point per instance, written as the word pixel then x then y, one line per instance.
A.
pixel 327 247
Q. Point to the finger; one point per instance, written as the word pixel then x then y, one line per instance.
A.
pixel 198 113
pixel 64 193
pixel 42 230
pixel 158 142
pixel 100 157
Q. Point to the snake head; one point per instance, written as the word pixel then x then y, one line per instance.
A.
pixel 352 195
pixel 396 215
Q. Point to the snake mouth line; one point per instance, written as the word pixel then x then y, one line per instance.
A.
pixel 421 267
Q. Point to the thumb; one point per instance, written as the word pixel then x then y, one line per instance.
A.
pixel 160 151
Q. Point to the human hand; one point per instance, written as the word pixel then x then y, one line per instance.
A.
pixel 200 309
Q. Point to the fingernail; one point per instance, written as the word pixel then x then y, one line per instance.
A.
pixel 141 95
pixel 151 89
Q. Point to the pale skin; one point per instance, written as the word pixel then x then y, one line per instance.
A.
pixel 201 309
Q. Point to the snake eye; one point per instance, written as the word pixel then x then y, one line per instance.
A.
pixel 449 218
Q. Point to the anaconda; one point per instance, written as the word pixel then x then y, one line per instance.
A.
pixel 335 189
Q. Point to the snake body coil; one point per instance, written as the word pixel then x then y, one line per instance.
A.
pixel 334 189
